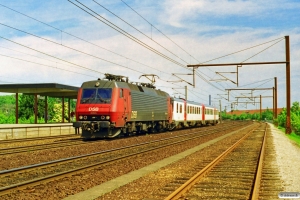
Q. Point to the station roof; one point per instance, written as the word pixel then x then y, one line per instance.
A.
pixel 42 89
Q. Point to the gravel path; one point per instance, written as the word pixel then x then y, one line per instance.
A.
pixel 288 160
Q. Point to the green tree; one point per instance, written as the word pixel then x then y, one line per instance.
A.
pixel 267 114
pixel 7 104
pixel 26 106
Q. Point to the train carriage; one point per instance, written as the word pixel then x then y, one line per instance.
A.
pixel 189 113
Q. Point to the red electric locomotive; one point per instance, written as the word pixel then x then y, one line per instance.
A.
pixel 113 106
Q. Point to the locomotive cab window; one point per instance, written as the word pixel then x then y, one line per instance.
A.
pixel 96 95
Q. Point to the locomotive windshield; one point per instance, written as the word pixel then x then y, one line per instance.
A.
pixel 96 95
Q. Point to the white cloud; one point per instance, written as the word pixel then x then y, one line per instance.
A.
pixel 177 12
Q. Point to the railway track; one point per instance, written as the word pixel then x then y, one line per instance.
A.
pixel 235 174
pixel 37 139
pixel 59 142
pixel 52 145
pixel 44 172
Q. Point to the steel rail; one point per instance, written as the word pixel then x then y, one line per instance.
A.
pixel 36 138
pixel 192 181
pixel 22 149
pixel 256 186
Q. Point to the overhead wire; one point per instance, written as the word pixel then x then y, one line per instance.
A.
pixel 54 56
pixel 158 30
pixel 65 33
pixel 31 55
pixel 258 82
pixel 49 55
pixel 139 31
pixel 165 36
pixel 198 75
pixel 262 50
pixel 123 32
pixel 70 48
pixel 241 50
pixel 46 65
pixel 80 38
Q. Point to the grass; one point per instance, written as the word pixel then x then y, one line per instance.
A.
pixel 295 138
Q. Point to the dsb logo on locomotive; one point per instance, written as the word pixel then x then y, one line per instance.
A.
pixel 93 109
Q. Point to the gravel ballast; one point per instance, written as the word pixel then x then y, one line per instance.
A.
pixel 288 160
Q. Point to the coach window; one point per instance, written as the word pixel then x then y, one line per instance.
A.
pixel 180 108
pixel 176 107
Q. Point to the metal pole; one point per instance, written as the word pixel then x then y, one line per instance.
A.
pixel 275 97
pixel 46 109
pixel 220 113
pixel 273 103
pixel 194 81
pixel 237 76
pixel 35 108
pixel 69 112
pixel 63 109
pixel 17 108
pixel 288 86
pixel 260 107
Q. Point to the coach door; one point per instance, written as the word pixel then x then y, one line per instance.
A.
pixel 203 112
pixel 185 111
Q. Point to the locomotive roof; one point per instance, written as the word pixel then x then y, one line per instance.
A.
pixel 120 84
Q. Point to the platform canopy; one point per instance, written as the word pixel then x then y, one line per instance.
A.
pixel 42 89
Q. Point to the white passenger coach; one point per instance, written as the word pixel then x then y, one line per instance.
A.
pixel 189 113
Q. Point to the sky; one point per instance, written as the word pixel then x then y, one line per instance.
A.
pixel 70 42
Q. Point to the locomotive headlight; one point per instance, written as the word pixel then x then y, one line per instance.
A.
pixel 107 117
pixel 80 117
pixel 85 117
pixel 102 117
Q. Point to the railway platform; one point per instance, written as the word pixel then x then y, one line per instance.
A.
pixel 19 131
